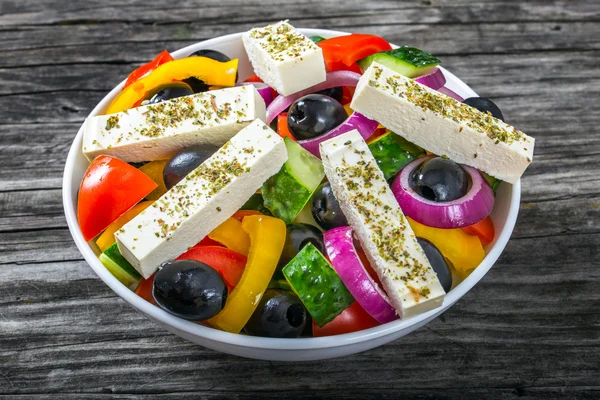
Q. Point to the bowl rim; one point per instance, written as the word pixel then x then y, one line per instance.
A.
pixel 158 315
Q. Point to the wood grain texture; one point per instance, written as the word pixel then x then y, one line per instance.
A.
pixel 529 329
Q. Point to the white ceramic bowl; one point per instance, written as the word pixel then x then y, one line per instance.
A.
pixel 504 217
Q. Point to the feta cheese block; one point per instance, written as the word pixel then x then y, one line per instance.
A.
pixel 442 125
pixel 284 58
pixel 158 131
pixel 204 199
pixel 382 229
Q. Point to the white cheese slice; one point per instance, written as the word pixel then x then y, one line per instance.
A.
pixel 442 125
pixel 382 229
pixel 158 131
pixel 284 58
pixel 204 199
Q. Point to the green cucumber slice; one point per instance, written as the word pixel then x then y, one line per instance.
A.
pixel 392 153
pixel 494 182
pixel 117 265
pixel 316 39
pixel 408 61
pixel 288 191
pixel 256 203
pixel 317 285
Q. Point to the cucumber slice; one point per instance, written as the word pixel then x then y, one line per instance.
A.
pixel 317 285
pixel 316 39
pixel 392 153
pixel 288 191
pixel 494 183
pixel 256 203
pixel 117 265
pixel 408 61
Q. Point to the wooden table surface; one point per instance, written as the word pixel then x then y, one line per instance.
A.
pixel 530 328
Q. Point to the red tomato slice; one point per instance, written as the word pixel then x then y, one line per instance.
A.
pixel 282 127
pixel 144 290
pixel 109 188
pixel 227 262
pixel 484 229
pixel 352 319
pixel 145 69
pixel 343 52
pixel 240 214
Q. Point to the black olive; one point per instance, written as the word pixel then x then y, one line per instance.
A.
pixel 440 180
pixel 314 115
pixel 189 289
pixel 279 314
pixel 483 104
pixel 334 92
pixel 438 263
pixel 185 162
pixel 325 208
pixel 297 236
pixel 169 91
pixel 214 55
pixel 197 85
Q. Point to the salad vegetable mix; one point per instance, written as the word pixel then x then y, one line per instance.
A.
pixel 340 187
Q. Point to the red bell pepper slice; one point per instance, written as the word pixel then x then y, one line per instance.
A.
pixel 484 230
pixel 342 52
pixel 145 69
pixel 109 188
pixel 227 262
pixel 254 78
pixel 208 242
pixel 282 126
pixel 352 319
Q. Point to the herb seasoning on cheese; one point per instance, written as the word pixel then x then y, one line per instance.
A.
pixel 383 230
pixel 282 41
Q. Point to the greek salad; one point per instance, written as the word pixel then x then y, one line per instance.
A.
pixel 340 187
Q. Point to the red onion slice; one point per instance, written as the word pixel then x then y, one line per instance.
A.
pixel 450 93
pixel 434 80
pixel 263 89
pixel 340 249
pixel 362 124
pixel 333 79
pixel 468 210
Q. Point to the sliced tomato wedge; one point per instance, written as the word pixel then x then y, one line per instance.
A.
pixel 145 69
pixel 227 262
pixel 484 230
pixel 352 319
pixel 342 52
pixel 109 188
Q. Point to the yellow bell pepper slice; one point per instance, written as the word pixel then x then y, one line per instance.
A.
pixel 267 236
pixel 231 234
pixel 108 236
pixel 465 252
pixel 208 70
pixel 154 170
